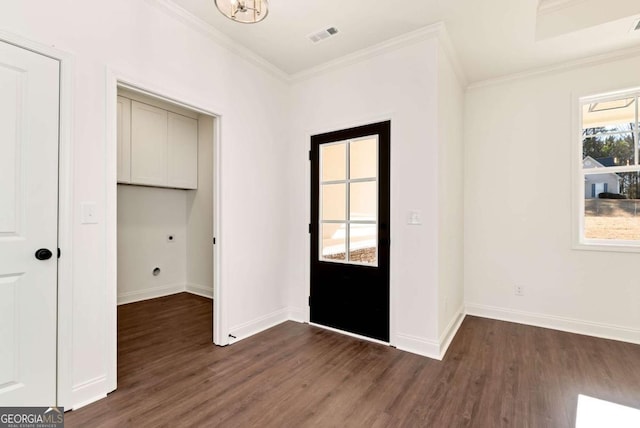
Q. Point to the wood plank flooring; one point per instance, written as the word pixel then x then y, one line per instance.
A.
pixel 495 374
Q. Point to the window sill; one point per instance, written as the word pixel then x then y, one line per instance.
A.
pixel 610 246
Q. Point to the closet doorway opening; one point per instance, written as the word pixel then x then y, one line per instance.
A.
pixel 166 221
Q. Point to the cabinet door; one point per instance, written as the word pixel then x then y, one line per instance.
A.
pixel 148 145
pixel 183 152
pixel 124 140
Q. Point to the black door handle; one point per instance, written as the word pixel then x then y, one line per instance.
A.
pixel 43 254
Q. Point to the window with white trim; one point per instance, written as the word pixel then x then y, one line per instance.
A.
pixel 610 170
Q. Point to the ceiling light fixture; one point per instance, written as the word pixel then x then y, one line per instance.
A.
pixel 244 11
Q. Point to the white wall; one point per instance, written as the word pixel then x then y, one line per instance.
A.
pixel 450 200
pixel 519 151
pixel 513 131
pixel 399 85
pixel 143 43
pixel 200 216
pixel 146 215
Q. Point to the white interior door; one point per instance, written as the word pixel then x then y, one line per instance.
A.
pixel 29 92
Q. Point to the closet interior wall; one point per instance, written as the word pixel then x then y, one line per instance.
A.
pixel 163 230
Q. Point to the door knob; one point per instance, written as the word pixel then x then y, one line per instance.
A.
pixel 43 254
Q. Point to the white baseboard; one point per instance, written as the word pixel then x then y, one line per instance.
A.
pixel 417 345
pixel 404 342
pixel 297 315
pixel 431 348
pixel 149 293
pixel 244 330
pixel 200 290
pixel 88 392
pixel 605 331
pixel 450 331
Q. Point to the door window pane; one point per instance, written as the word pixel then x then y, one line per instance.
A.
pixel 333 244
pixel 363 201
pixel 348 194
pixel 363 158
pixel 333 201
pixel 334 162
pixel 363 243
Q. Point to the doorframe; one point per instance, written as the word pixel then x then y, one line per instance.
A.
pixel 115 79
pixel 337 126
pixel 64 326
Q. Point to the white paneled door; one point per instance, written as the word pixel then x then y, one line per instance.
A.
pixel 29 93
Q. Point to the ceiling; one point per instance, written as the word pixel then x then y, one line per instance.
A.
pixel 492 37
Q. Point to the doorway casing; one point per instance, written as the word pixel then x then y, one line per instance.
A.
pixel 117 80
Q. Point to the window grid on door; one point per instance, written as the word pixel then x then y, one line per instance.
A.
pixel 347 221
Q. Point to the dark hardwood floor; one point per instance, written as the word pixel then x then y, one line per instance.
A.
pixel 495 374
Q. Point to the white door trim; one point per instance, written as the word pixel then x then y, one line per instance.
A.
pixel 65 210
pixel 117 79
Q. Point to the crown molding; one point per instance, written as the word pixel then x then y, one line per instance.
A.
pixel 437 30
pixel 193 22
pixel 424 33
pixel 450 50
pixel 559 68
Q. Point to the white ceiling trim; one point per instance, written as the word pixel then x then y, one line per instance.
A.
pixel 437 30
pixel 559 68
pixel 451 52
pixel 425 33
pixel 206 29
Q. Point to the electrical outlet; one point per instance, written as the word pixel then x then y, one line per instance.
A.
pixel 519 290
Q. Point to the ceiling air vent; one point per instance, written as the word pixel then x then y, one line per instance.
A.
pixel 319 36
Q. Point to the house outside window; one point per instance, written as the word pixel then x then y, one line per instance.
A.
pixel 609 205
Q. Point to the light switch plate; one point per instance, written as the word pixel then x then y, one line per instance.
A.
pixel 414 217
pixel 88 214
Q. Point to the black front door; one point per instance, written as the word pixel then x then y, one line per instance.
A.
pixel 350 230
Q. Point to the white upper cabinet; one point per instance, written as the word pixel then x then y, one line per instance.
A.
pixel 148 145
pixel 124 140
pixel 183 152
pixel 156 147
